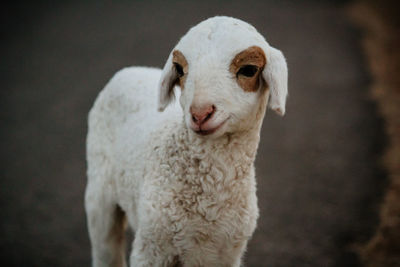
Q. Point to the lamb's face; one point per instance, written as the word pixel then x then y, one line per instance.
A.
pixel 219 97
pixel 225 75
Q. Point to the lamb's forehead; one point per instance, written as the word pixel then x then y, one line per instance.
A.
pixel 219 37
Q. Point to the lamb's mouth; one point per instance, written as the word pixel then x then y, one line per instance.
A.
pixel 210 131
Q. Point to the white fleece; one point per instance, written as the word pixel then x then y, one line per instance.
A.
pixel 190 199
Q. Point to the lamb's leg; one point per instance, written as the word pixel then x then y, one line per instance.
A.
pixel 106 223
pixel 239 251
pixel 147 251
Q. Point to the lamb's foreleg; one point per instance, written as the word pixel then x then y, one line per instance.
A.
pixel 106 223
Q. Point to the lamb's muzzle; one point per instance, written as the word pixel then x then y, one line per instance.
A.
pixel 202 119
pixel 201 114
pixel 184 178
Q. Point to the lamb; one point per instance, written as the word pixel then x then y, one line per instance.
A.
pixel 182 179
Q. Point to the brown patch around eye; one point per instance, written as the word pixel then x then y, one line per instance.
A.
pixel 247 66
pixel 181 67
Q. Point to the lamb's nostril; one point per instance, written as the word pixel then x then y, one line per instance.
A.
pixel 213 108
pixel 209 114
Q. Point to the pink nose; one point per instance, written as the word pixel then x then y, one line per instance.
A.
pixel 201 114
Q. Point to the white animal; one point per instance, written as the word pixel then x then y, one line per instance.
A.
pixel 183 178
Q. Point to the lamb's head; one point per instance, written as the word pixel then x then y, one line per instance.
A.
pixel 227 74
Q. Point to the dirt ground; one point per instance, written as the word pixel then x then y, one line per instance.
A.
pixel 318 173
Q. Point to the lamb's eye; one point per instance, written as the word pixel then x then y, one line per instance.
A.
pixel 247 70
pixel 179 69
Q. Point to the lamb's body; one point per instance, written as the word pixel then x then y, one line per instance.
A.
pixel 197 198
pixel 183 178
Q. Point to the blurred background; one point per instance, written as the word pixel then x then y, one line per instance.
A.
pixel 327 186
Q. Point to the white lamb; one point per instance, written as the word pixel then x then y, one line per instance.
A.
pixel 184 178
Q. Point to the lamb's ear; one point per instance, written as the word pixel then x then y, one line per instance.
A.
pixel 166 84
pixel 275 74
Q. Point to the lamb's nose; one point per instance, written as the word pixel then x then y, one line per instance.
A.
pixel 201 114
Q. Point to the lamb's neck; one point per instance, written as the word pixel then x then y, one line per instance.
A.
pixel 231 147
